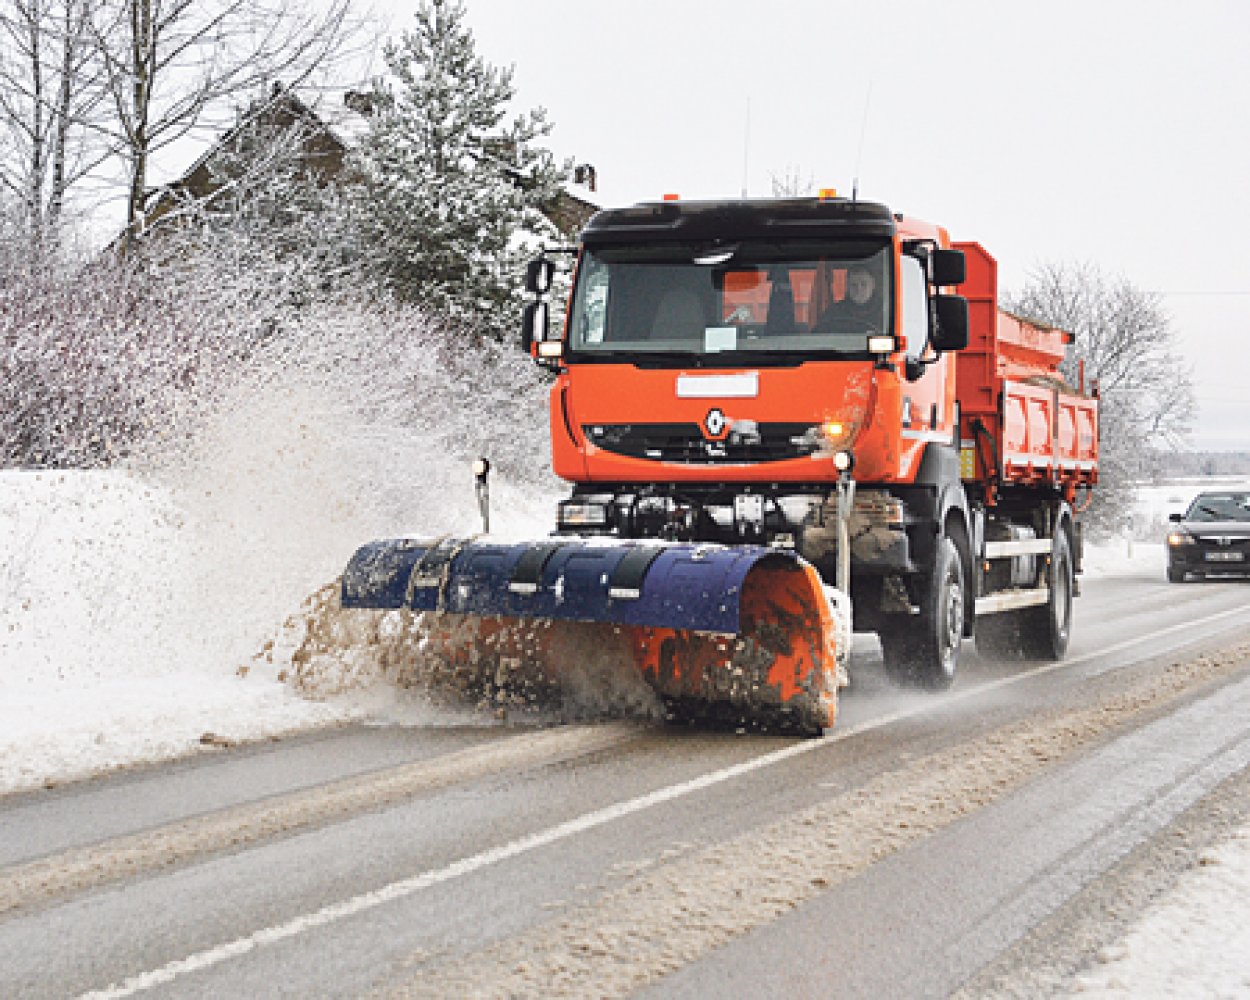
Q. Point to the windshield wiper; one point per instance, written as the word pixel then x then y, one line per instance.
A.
pixel 719 359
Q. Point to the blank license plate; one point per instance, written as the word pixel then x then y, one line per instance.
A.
pixel 1225 556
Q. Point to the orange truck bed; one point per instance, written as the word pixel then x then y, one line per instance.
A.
pixel 1020 422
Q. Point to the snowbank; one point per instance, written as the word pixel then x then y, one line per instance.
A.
pixel 124 625
pixel 1194 942
pixel 133 603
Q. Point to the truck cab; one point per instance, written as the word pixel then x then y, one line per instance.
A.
pixel 724 365
pixel 708 341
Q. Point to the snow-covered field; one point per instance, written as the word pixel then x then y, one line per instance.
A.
pixel 141 620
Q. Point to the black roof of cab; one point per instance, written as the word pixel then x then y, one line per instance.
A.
pixel 733 220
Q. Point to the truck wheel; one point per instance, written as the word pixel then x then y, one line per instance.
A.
pixel 923 650
pixel 1176 575
pixel 1044 630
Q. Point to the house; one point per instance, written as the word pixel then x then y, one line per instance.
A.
pixel 319 150
pixel 318 142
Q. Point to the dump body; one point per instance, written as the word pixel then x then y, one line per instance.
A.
pixel 1021 423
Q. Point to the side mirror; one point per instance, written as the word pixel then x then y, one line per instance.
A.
pixel 952 323
pixel 1178 518
pixel 534 325
pixel 539 274
pixel 949 267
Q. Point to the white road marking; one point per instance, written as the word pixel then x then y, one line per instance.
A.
pixel 600 817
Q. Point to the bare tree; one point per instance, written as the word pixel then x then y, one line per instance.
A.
pixel 83 82
pixel 1126 344
pixel 174 66
pixel 50 87
pixel 791 183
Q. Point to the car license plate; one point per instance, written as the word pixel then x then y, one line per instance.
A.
pixel 1225 556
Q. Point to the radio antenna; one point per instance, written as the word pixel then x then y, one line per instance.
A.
pixel 746 147
pixel 859 153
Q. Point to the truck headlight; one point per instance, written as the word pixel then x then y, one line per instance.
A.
pixel 837 434
pixel 581 515
pixel 1180 538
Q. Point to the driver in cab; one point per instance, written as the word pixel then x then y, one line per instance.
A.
pixel 859 310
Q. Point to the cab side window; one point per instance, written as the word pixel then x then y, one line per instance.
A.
pixel 592 289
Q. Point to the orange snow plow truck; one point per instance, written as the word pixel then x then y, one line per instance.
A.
pixel 783 420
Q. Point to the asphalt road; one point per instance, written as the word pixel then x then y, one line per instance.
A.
pixel 987 839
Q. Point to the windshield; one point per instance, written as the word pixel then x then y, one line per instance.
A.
pixel 774 297
pixel 1220 507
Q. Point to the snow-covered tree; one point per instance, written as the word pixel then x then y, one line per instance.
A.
pixel 452 187
pixel 1125 342
pixel 91 356
pixel 131 354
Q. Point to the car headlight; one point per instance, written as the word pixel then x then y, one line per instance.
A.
pixel 1176 538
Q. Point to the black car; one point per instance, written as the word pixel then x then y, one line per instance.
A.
pixel 1212 537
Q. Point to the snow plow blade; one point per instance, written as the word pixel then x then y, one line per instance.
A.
pixel 738 631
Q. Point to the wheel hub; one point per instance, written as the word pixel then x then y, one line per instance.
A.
pixel 953 631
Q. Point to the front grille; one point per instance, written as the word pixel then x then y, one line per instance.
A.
pixel 685 443
pixel 1223 543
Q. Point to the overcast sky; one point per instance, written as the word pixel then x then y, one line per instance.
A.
pixel 1107 132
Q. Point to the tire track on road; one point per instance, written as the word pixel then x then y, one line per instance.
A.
pixel 82 868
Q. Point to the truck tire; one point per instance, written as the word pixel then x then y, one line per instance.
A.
pixel 1044 630
pixel 1176 575
pixel 923 650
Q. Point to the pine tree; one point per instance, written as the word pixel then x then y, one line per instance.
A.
pixel 451 194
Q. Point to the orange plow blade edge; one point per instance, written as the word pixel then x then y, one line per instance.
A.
pixel 781 667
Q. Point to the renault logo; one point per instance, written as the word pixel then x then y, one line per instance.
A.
pixel 715 423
